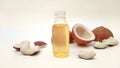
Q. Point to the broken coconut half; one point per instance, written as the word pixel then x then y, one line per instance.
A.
pixel 81 34
pixel 102 33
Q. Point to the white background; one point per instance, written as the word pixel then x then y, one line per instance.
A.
pixel 32 20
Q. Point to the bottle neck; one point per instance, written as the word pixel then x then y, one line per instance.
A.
pixel 60 20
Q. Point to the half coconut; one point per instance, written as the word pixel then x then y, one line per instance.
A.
pixel 82 35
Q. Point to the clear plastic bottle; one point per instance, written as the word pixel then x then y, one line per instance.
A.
pixel 60 35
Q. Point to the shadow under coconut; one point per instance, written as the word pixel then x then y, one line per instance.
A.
pixel 34 54
pixel 79 45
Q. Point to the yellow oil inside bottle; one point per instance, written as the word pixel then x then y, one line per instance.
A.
pixel 60 40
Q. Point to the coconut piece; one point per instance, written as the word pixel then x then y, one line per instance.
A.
pixel 86 54
pixel 24 48
pixel 18 46
pixel 40 43
pixel 111 41
pixel 100 45
pixel 81 34
pixel 27 50
pixel 102 33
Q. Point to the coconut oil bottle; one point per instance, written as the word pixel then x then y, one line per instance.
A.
pixel 60 35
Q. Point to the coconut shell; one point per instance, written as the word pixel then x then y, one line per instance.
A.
pixel 71 39
pixel 102 33
pixel 79 41
pixel 82 35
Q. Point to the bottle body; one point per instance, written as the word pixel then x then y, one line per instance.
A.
pixel 60 38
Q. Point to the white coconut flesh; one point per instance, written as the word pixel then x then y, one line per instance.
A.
pixel 83 32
